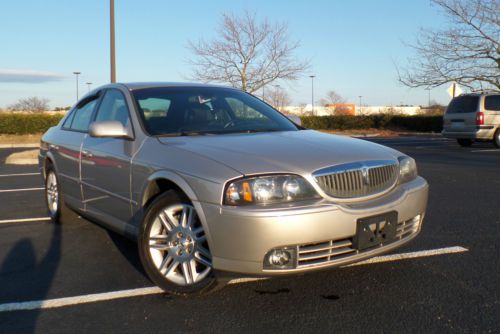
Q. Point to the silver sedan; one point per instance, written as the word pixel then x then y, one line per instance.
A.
pixel 210 180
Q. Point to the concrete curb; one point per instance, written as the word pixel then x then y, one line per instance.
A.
pixel 23 158
pixel 27 145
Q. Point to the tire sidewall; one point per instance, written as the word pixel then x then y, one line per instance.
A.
pixel 56 217
pixel 168 198
pixel 496 138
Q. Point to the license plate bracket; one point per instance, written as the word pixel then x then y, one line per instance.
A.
pixel 375 230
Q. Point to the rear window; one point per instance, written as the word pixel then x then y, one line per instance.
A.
pixel 492 102
pixel 463 104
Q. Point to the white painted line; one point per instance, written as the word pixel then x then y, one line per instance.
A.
pixel 20 174
pixel 16 190
pixel 91 298
pixel 487 150
pixel 412 255
pixel 24 220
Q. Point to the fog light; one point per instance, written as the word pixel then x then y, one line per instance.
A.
pixel 280 258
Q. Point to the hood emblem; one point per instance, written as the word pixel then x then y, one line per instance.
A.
pixel 366 175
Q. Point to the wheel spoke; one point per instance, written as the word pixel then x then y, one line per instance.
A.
pixel 174 264
pixel 170 218
pixel 168 259
pixel 203 251
pixel 186 270
pixel 201 238
pixel 166 222
pixel 186 216
pixel 202 260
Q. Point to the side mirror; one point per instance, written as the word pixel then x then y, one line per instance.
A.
pixel 108 129
pixel 295 119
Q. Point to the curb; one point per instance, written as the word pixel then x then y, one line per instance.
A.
pixel 22 158
pixel 27 145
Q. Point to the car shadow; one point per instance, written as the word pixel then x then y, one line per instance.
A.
pixel 128 250
pixel 35 286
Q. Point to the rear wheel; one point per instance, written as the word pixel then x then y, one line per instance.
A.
pixel 496 138
pixel 464 142
pixel 173 247
pixel 53 196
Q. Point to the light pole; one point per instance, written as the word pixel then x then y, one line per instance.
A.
pixel 312 93
pixel 88 85
pixel 112 39
pixel 263 95
pixel 428 89
pixel 76 75
pixel 360 97
pixel 277 98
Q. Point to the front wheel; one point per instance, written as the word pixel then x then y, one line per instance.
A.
pixel 464 142
pixel 173 247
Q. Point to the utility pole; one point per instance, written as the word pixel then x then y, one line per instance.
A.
pixel 76 75
pixel 88 85
pixel 312 92
pixel 360 96
pixel 112 39
pixel 428 96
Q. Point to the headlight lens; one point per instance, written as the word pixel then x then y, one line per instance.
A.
pixel 407 169
pixel 268 190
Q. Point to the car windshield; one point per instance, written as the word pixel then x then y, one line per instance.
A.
pixel 180 111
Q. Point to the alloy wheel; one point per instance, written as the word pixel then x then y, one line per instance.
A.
pixel 52 193
pixel 178 246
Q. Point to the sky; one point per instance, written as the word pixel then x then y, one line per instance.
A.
pixel 353 45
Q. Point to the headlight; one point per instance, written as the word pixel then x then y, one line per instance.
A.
pixel 407 169
pixel 268 190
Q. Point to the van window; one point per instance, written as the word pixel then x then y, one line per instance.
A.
pixel 492 102
pixel 463 104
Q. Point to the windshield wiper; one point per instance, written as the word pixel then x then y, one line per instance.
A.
pixel 184 133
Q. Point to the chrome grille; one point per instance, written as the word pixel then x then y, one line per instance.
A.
pixel 358 179
pixel 334 250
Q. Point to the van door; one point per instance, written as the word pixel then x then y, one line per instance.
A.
pixel 461 114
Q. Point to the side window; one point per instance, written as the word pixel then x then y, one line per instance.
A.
pixel 492 102
pixel 83 115
pixel 69 119
pixel 244 112
pixel 114 108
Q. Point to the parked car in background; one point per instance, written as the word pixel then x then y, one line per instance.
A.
pixel 210 180
pixel 473 117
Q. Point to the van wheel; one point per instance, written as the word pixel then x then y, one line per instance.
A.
pixel 173 248
pixel 496 139
pixel 464 142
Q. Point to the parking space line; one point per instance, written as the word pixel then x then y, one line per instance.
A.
pixel 105 296
pixel 19 174
pixel 487 150
pixel 23 220
pixel 16 190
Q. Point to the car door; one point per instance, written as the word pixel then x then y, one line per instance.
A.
pixel 105 166
pixel 67 145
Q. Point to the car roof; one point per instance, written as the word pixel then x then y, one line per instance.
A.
pixel 141 85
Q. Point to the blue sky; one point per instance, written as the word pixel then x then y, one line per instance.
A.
pixel 352 45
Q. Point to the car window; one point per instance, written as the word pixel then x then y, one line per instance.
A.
pixel 492 102
pixel 463 104
pixel 69 119
pixel 83 115
pixel 113 108
pixel 206 110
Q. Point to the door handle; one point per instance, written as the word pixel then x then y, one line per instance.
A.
pixel 87 154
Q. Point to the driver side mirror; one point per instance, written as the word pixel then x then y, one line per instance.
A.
pixel 108 129
pixel 295 119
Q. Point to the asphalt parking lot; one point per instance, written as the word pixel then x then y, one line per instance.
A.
pixel 78 277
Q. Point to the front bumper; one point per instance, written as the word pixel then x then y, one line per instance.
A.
pixel 241 237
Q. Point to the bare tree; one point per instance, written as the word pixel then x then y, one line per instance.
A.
pixel 468 52
pixel 332 97
pixel 31 104
pixel 248 54
pixel 278 98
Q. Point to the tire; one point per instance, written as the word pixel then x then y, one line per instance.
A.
pixel 53 197
pixel 496 139
pixel 464 142
pixel 173 248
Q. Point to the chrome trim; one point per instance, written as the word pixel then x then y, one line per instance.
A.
pixel 358 179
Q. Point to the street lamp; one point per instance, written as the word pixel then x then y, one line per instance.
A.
pixel 76 75
pixel 360 96
pixel 112 39
pixel 428 89
pixel 88 85
pixel 312 92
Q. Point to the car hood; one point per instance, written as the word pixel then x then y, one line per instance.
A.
pixel 298 152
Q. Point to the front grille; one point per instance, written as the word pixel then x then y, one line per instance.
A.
pixel 358 179
pixel 334 250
